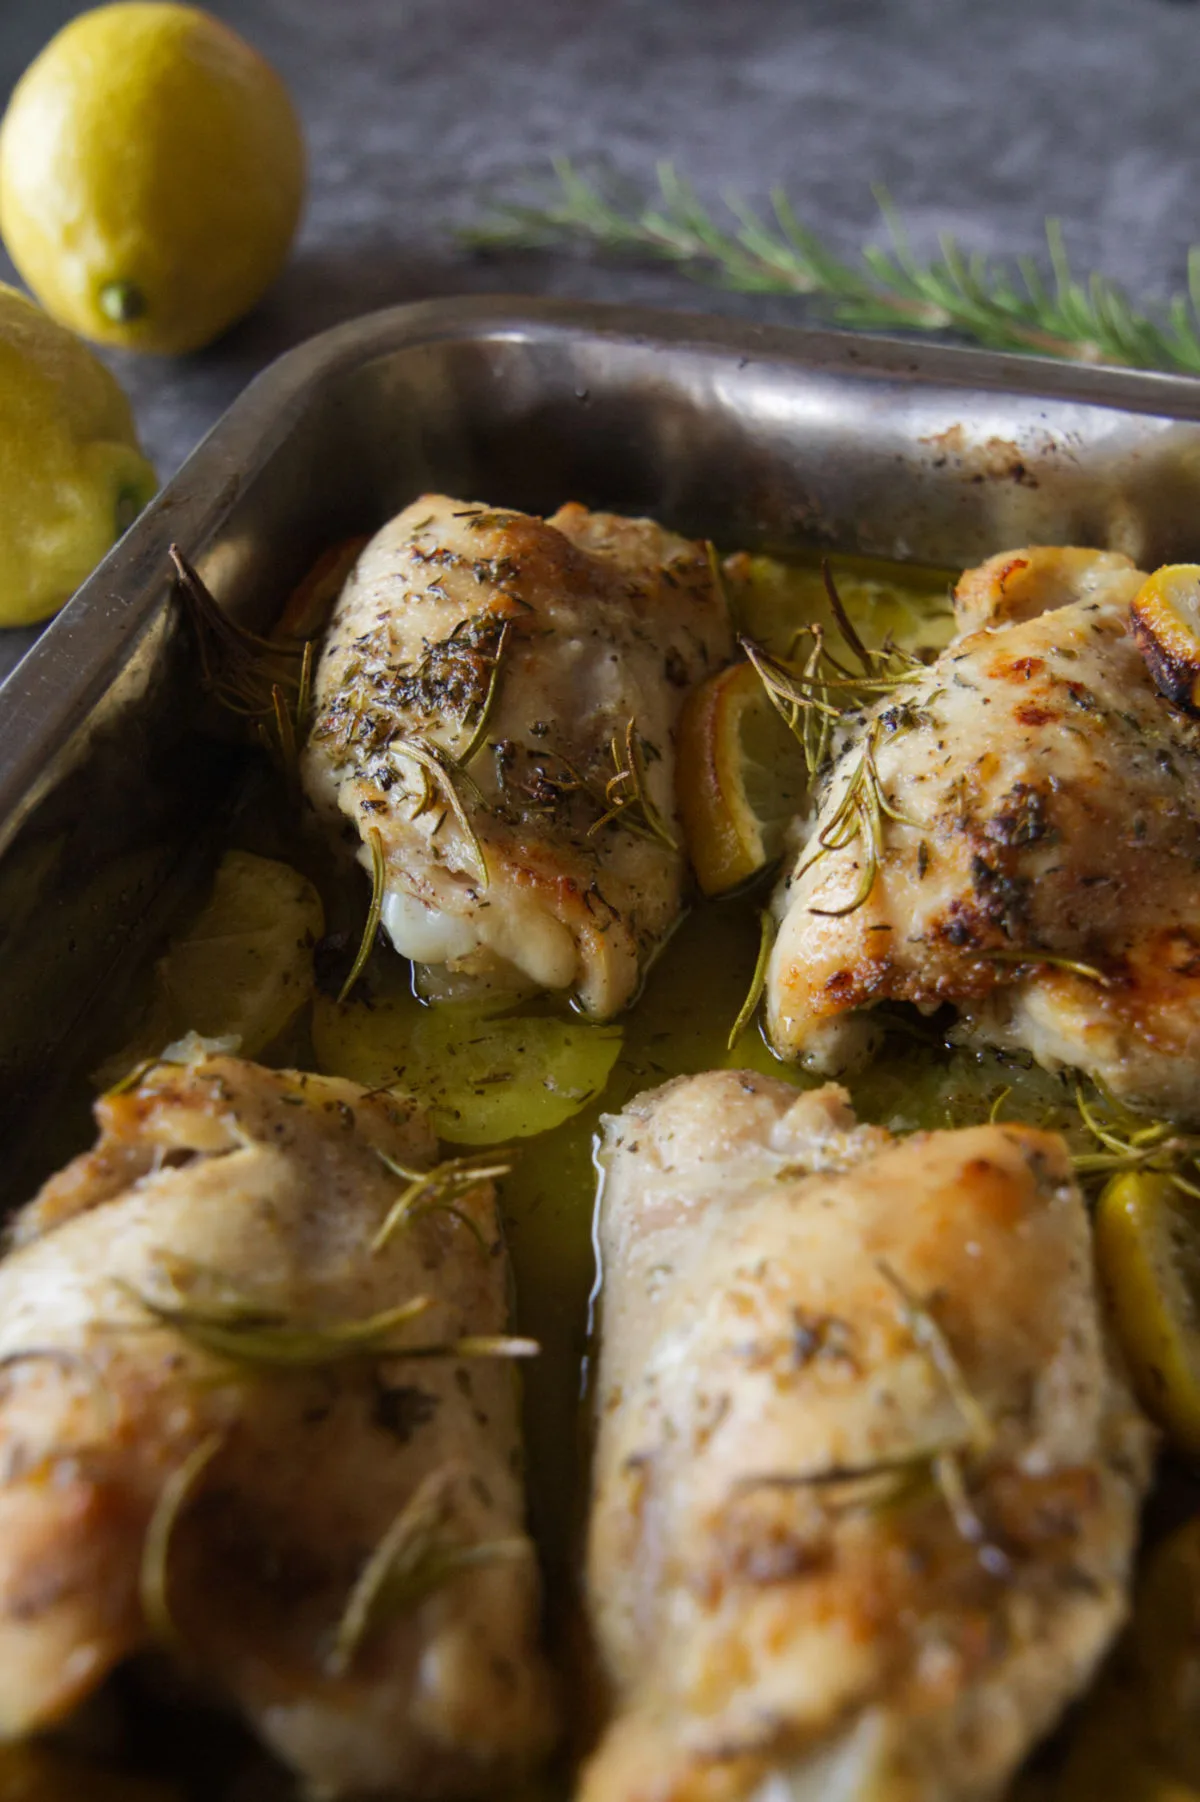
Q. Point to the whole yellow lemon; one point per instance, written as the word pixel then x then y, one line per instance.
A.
pixel 151 176
pixel 71 473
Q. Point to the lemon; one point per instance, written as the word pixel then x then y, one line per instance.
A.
pixel 740 778
pixel 1148 1254
pixel 1165 618
pixel 71 474
pixel 151 176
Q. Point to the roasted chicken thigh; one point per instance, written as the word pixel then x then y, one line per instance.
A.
pixel 237 1424
pixel 866 1482
pixel 495 708
pixel 1034 803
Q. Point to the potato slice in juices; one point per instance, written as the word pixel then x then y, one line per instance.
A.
pixel 241 971
pixel 1148 1251
pixel 1165 616
pixel 484 1079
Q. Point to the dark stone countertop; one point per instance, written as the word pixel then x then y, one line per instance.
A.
pixel 980 120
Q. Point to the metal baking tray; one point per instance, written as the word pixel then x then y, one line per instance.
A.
pixel 751 436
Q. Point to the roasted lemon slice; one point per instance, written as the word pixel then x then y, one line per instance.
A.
pixel 1166 625
pixel 740 777
pixel 1148 1250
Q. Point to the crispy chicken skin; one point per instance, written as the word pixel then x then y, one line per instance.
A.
pixel 866 1482
pixel 556 634
pixel 1050 803
pixel 224 1189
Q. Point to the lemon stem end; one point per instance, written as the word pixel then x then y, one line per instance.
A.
pixel 122 302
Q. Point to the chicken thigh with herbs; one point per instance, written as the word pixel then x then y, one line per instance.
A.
pixel 866 1481
pixel 495 708
pixel 227 1434
pixel 1014 830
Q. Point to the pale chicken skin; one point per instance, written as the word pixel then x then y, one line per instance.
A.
pixel 866 1481
pixel 221 1194
pixel 485 677
pixel 1038 866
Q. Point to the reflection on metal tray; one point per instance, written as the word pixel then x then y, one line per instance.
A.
pixel 754 437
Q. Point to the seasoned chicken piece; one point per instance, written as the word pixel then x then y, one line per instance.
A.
pixel 226 1432
pixel 1037 862
pixel 497 700
pixel 866 1481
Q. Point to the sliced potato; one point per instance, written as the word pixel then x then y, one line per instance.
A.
pixel 1166 626
pixel 242 970
pixel 485 1079
pixel 1148 1251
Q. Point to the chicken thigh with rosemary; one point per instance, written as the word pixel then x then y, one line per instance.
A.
pixel 495 709
pixel 1014 830
pixel 257 1417
pixel 866 1481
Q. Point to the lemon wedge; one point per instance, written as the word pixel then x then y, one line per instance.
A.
pixel 740 778
pixel 1165 616
pixel 1148 1253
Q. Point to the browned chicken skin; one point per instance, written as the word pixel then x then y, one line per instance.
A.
pixel 515 652
pixel 866 1480
pixel 1038 868
pixel 225 1194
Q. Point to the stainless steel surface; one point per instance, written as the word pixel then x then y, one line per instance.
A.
pixel 748 435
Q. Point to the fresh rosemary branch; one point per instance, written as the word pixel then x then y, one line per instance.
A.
pixel 1004 306
pixel 1126 1141
pixel 153 1574
pixel 627 792
pixel 438 1191
pixel 417 1556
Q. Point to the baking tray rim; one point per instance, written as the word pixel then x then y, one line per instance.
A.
pixel 53 689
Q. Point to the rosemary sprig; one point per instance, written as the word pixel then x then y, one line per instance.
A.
pixel 851 1487
pixel 262 1337
pixel 439 771
pixel 415 1558
pixel 1004 306
pixel 758 982
pixel 479 733
pixel 858 817
pixel 438 1191
pixel 824 693
pixel 154 1571
pixel 627 794
pixel 247 675
pixel 1128 1142
pixel 366 943
pixel 725 594
pixel 1035 959
pixel 929 1338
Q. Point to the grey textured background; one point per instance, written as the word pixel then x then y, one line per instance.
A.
pixel 980 118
